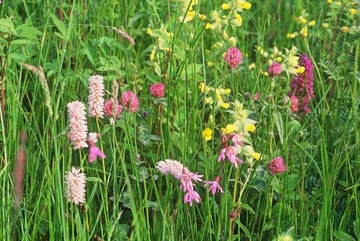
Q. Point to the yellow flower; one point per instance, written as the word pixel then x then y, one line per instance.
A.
pixel 302 19
pixel 249 151
pixel 352 11
pixel 278 59
pixel 329 1
pixel 209 100
pixel 250 127
pixel 225 6
pixel 228 129
pixel 210 63
pixel 291 35
pixel 312 23
pixel 266 74
pixel 203 88
pixel 202 16
pixel 237 21
pixel 208 26
pixel 325 25
pixel 225 105
pixel 300 70
pixel 152 55
pixel 345 29
pixel 285 237
pixel 232 41
pixel 207 134
pixel 149 31
pixel 304 32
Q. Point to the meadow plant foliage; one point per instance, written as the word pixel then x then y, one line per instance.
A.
pixel 189 120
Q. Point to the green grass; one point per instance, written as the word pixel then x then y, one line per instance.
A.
pixel 127 198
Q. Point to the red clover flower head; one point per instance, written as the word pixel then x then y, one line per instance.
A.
pixel 277 165
pixel 129 101
pixel 233 57
pixel 274 69
pixel 157 90
pixel 112 109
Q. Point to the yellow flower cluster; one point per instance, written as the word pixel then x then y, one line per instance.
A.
pixel 188 12
pixel 220 97
pixel 302 20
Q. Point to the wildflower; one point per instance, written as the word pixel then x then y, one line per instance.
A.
pixel 249 151
pixel 214 186
pixel 157 90
pixel 302 85
pixel 183 174
pixel 274 69
pixel 233 57
pixel 204 88
pixel 112 108
pixel 95 99
pixel 130 101
pixel 191 196
pixel 94 151
pixel 207 134
pixel 172 167
pixel 208 26
pixel 276 165
pixel 256 96
pixel 230 153
pixel 228 129
pixel 285 237
pixel 75 186
pixel 345 29
pixel 149 31
pixel 78 125
pixel 352 11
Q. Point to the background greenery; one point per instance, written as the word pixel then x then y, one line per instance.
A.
pixel 127 199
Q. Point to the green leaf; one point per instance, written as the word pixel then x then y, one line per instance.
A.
pixel 22 42
pixel 18 57
pixel 7 26
pixel 28 32
pixel 292 181
pixel 279 125
pixel 60 26
pixel 343 236
pixel 242 226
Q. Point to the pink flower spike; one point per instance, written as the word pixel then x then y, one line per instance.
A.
pixel 96 96
pixel 78 124
pixel 157 90
pixel 214 186
pixel 94 152
pixel 277 165
pixel 233 57
pixel 191 196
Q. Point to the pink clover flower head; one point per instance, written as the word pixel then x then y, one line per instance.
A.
pixel 277 165
pixel 78 124
pixel 302 85
pixel 214 186
pixel 112 108
pixel 233 57
pixel 230 153
pixel 96 96
pixel 157 90
pixel 274 69
pixel 94 152
pixel 172 167
pixel 256 96
pixel 294 103
pixel 129 101
pixel 191 196
pixel 75 183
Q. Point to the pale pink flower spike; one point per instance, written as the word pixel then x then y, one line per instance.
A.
pixel 96 96
pixel 78 124
pixel 75 183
